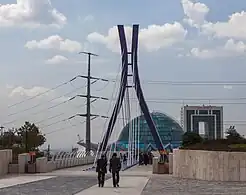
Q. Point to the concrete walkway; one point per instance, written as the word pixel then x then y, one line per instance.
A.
pixel 18 179
pixel 74 181
pixel 135 181
pixel 128 186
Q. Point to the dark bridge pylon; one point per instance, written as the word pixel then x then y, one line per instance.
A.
pixel 123 86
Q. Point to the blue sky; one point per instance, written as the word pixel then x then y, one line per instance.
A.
pixel 179 40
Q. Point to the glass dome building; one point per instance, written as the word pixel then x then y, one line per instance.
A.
pixel 169 130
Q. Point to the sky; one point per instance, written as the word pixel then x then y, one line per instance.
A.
pixel 180 40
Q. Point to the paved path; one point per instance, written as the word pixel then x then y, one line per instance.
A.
pixel 71 181
pixel 134 181
pixel 17 180
pixel 128 186
pixel 65 181
pixel 52 186
pixel 167 185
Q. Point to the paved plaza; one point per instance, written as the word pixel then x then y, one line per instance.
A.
pixel 135 181
pixel 167 185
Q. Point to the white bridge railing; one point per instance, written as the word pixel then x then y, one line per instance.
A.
pixel 61 160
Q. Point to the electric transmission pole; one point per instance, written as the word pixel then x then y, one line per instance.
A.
pixel 88 102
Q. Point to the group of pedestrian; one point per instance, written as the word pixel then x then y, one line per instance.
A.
pixel 114 169
pixel 145 158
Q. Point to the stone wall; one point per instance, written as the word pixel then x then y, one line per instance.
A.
pixel 5 159
pixel 209 165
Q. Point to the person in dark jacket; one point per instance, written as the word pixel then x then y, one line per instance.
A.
pixel 114 168
pixel 124 159
pixel 146 159
pixel 140 159
pixel 101 170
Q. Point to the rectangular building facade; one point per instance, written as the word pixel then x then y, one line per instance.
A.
pixel 210 116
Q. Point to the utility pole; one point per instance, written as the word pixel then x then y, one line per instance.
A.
pixel 88 102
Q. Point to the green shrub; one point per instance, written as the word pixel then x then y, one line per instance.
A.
pixel 191 138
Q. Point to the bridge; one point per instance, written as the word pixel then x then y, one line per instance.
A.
pixel 74 173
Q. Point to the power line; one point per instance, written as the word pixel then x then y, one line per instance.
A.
pixel 65 128
pixel 182 102
pixel 202 99
pixel 56 98
pixel 52 117
pixel 49 118
pixel 57 115
pixel 72 126
pixel 195 82
pixel 192 99
pixel 96 116
pixel 62 129
pixel 56 87
pixel 51 107
pixel 42 93
pixel 189 83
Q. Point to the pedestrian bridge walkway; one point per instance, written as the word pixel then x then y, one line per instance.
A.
pixel 74 181
pixel 137 180
pixel 128 185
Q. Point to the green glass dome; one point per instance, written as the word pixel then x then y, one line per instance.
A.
pixel 169 130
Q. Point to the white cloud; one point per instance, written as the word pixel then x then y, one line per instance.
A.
pixel 55 42
pixel 151 39
pixel 230 49
pixel 89 18
pixel 195 12
pixel 58 59
pixel 28 92
pixel 36 91
pixel 235 27
pixel 31 13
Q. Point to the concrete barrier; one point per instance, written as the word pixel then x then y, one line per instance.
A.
pixel 5 160
pixel 51 166
pixel 209 165
pixel 22 161
pixel 155 165
pixel 41 165
pixel 13 168
pixel 170 158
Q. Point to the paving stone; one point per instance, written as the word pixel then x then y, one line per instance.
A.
pixel 53 186
pixel 159 185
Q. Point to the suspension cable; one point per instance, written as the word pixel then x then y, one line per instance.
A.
pixel 98 153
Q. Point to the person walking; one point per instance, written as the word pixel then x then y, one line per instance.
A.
pixel 114 168
pixel 101 170
pixel 140 159
pixel 124 160
pixel 146 159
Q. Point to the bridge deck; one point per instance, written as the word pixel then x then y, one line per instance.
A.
pixel 134 181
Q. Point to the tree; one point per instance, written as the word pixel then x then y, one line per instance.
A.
pixel 232 134
pixel 9 138
pixel 191 138
pixel 31 137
